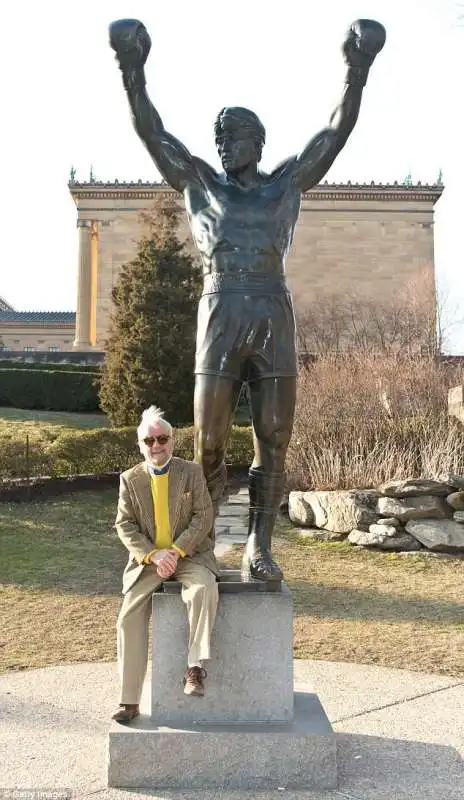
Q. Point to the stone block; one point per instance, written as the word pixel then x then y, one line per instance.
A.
pixel 250 674
pixel 297 755
pixel 456 402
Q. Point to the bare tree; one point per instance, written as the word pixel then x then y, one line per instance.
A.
pixel 410 322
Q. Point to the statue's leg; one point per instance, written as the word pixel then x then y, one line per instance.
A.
pixel 273 408
pixel 214 404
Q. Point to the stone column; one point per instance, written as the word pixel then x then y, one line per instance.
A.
pixel 84 286
pixel 456 402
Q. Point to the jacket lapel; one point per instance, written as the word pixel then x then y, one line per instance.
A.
pixel 176 485
pixel 142 485
pixel 143 491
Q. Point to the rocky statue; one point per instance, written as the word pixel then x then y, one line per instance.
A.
pixel 242 222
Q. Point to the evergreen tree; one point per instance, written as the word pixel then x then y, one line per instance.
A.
pixel 151 345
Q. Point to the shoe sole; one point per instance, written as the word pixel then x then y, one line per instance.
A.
pixel 125 721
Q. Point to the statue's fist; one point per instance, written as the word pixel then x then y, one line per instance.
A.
pixel 130 39
pixel 364 40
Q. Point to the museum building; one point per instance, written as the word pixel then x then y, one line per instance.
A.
pixel 367 239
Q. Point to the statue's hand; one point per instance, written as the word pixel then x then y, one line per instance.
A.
pixel 130 39
pixel 364 40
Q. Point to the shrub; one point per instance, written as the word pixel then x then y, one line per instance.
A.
pixel 98 450
pixel 53 390
pixel 48 366
pixel 19 458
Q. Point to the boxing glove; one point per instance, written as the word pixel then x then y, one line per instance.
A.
pixel 130 39
pixel 363 42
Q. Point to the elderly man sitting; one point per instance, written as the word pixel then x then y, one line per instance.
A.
pixel 164 519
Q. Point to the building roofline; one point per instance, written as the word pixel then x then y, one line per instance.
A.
pixel 352 191
pixel 37 318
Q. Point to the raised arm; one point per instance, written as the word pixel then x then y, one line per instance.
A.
pixel 364 40
pixel 130 39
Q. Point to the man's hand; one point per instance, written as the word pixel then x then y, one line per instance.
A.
pixel 165 562
pixel 130 39
pixel 363 42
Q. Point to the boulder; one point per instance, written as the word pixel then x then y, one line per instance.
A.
pixel 415 488
pixel 365 538
pixel 445 535
pixel 413 508
pixel 453 480
pixel 394 541
pixel 458 516
pixel 456 501
pixel 382 529
pixel 390 521
pixel 299 510
pixel 401 542
pixel 340 511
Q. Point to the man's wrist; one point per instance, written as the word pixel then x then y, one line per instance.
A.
pixel 133 78
pixel 147 558
pixel 356 76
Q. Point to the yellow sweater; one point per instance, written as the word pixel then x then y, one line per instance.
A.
pixel 160 496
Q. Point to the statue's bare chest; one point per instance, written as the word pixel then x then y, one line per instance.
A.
pixel 227 216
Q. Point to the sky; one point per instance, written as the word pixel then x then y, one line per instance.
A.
pixel 64 105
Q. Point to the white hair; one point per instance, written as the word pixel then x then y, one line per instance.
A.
pixel 153 416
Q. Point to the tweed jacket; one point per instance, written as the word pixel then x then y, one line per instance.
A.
pixel 190 513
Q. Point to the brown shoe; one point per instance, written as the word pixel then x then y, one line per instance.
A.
pixel 126 713
pixel 193 681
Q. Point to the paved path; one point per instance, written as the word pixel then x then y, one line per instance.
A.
pixel 401 734
pixel 232 522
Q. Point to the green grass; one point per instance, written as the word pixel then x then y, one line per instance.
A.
pixel 60 584
pixel 62 418
pixel 60 579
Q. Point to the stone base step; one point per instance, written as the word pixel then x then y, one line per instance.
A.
pixel 299 755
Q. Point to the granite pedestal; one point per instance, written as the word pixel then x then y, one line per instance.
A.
pixel 250 731
pixel 250 674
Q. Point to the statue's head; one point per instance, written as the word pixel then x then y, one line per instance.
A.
pixel 240 137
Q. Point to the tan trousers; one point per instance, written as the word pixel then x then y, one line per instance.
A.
pixel 200 595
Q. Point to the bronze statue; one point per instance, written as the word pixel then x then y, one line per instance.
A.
pixel 242 222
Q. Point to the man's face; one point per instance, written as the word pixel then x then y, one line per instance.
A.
pixel 156 445
pixel 236 148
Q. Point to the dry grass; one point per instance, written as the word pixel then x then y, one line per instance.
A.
pixel 61 571
pixel 363 419
pixel 373 608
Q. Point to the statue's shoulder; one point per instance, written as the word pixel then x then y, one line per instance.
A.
pixel 283 172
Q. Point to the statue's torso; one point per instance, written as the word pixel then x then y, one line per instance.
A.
pixel 243 230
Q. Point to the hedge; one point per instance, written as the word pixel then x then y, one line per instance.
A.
pixel 99 450
pixel 49 366
pixel 52 390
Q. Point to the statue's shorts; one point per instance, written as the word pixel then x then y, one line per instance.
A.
pixel 246 329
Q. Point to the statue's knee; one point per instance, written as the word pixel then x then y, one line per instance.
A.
pixel 275 440
pixel 210 451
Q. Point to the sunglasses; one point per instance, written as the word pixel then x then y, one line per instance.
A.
pixel 150 440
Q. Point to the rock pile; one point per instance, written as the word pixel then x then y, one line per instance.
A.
pixel 412 514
